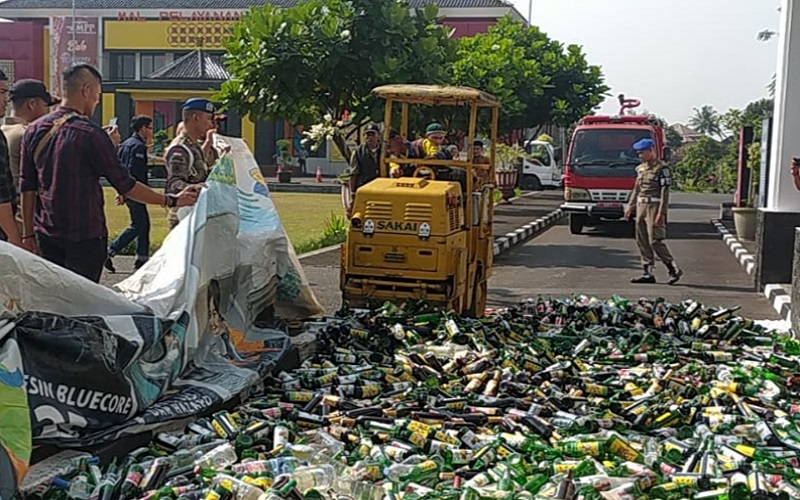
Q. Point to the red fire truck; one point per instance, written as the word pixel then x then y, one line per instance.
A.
pixel 600 168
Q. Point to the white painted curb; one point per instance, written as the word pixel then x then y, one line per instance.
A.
pixel 780 300
pixel 529 230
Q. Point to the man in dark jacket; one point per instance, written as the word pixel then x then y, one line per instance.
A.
pixel 364 163
pixel 133 154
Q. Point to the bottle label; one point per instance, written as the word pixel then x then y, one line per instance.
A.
pixel 597 389
pixel 299 397
pixel 622 449
pixel 462 456
pixel 685 480
pixel 418 439
pixel 591 448
pixel 370 390
pixel 428 466
pixel 415 426
pixel 564 467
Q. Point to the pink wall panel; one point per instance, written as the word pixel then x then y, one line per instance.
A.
pixel 23 43
pixel 469 26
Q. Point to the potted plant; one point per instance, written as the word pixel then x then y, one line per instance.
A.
pixel 745 217
pixel 508 160
pixel 284 160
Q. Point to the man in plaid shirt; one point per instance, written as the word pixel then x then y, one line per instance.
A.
pixel 63 156
pixel 8 192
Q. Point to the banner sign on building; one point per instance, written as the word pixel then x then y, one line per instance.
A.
pixel 165 35
pixel 68 47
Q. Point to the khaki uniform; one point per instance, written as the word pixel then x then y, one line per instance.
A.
pixel 186 165
pixel 651 196
pixel 14 129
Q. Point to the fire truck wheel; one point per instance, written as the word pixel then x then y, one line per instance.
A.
pixel 576 223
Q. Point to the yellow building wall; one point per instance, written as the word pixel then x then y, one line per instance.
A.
pixel 109 110
pixel 249 133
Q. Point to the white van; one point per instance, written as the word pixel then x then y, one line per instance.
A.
pixel 540 168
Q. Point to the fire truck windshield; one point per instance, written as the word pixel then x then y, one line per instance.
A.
pixel 606 152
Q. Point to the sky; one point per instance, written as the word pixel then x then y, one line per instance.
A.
pixel 673 55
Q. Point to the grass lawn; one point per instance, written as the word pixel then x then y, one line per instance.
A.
pixel 303 215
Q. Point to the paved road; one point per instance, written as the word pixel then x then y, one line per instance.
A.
pixel 602 261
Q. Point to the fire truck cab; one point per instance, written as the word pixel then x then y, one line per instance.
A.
pixel 600 168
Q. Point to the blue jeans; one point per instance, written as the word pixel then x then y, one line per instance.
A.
pixel 139 229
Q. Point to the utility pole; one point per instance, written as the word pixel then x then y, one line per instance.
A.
pixel 530 12
pixel 73 31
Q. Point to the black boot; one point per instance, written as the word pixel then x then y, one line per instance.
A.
pixel 109 265
pixel 647 277
pixel 675 273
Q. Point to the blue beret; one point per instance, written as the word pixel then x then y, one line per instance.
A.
pixel 644 144
pixel 200 105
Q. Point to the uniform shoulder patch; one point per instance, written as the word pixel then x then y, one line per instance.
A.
pixel 665 177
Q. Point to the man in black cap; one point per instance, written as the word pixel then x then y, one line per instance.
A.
pixel 30 101
pixel 365 162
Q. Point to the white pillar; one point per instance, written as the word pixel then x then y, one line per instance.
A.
pixel 782 195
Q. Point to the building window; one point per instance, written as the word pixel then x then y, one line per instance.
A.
pixel 123 66
pixel 152 62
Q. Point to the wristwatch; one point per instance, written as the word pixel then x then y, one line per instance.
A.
pixel 171 201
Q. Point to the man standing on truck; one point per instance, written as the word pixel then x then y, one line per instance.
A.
pixel 650 197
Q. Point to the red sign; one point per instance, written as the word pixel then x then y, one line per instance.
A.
pixel 183 15
pixel 71 43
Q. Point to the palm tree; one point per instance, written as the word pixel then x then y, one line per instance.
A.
pixel 706 120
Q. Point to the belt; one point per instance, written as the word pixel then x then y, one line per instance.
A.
pixel 649 199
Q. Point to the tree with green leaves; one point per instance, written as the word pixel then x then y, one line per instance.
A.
pixel 537 79
pixel 732 121
pixel 698 162
pixel 318 61
pixel 751 116
pixel 706 120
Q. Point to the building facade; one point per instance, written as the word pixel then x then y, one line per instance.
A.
pixel 156 54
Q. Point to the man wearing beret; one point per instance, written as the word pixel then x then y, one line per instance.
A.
pixel 650 196
pixel 191 155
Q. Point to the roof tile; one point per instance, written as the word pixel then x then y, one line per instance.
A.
pixel 209 4
pixel 196 65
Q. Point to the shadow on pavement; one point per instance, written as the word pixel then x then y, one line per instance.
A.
pixel 693 206
pixel 675 231
pixel 570 256
pixel 718 288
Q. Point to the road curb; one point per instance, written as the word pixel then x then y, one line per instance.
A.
pixel 777 296
pixel 745 258
pixel 526 232
pixel 319 251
